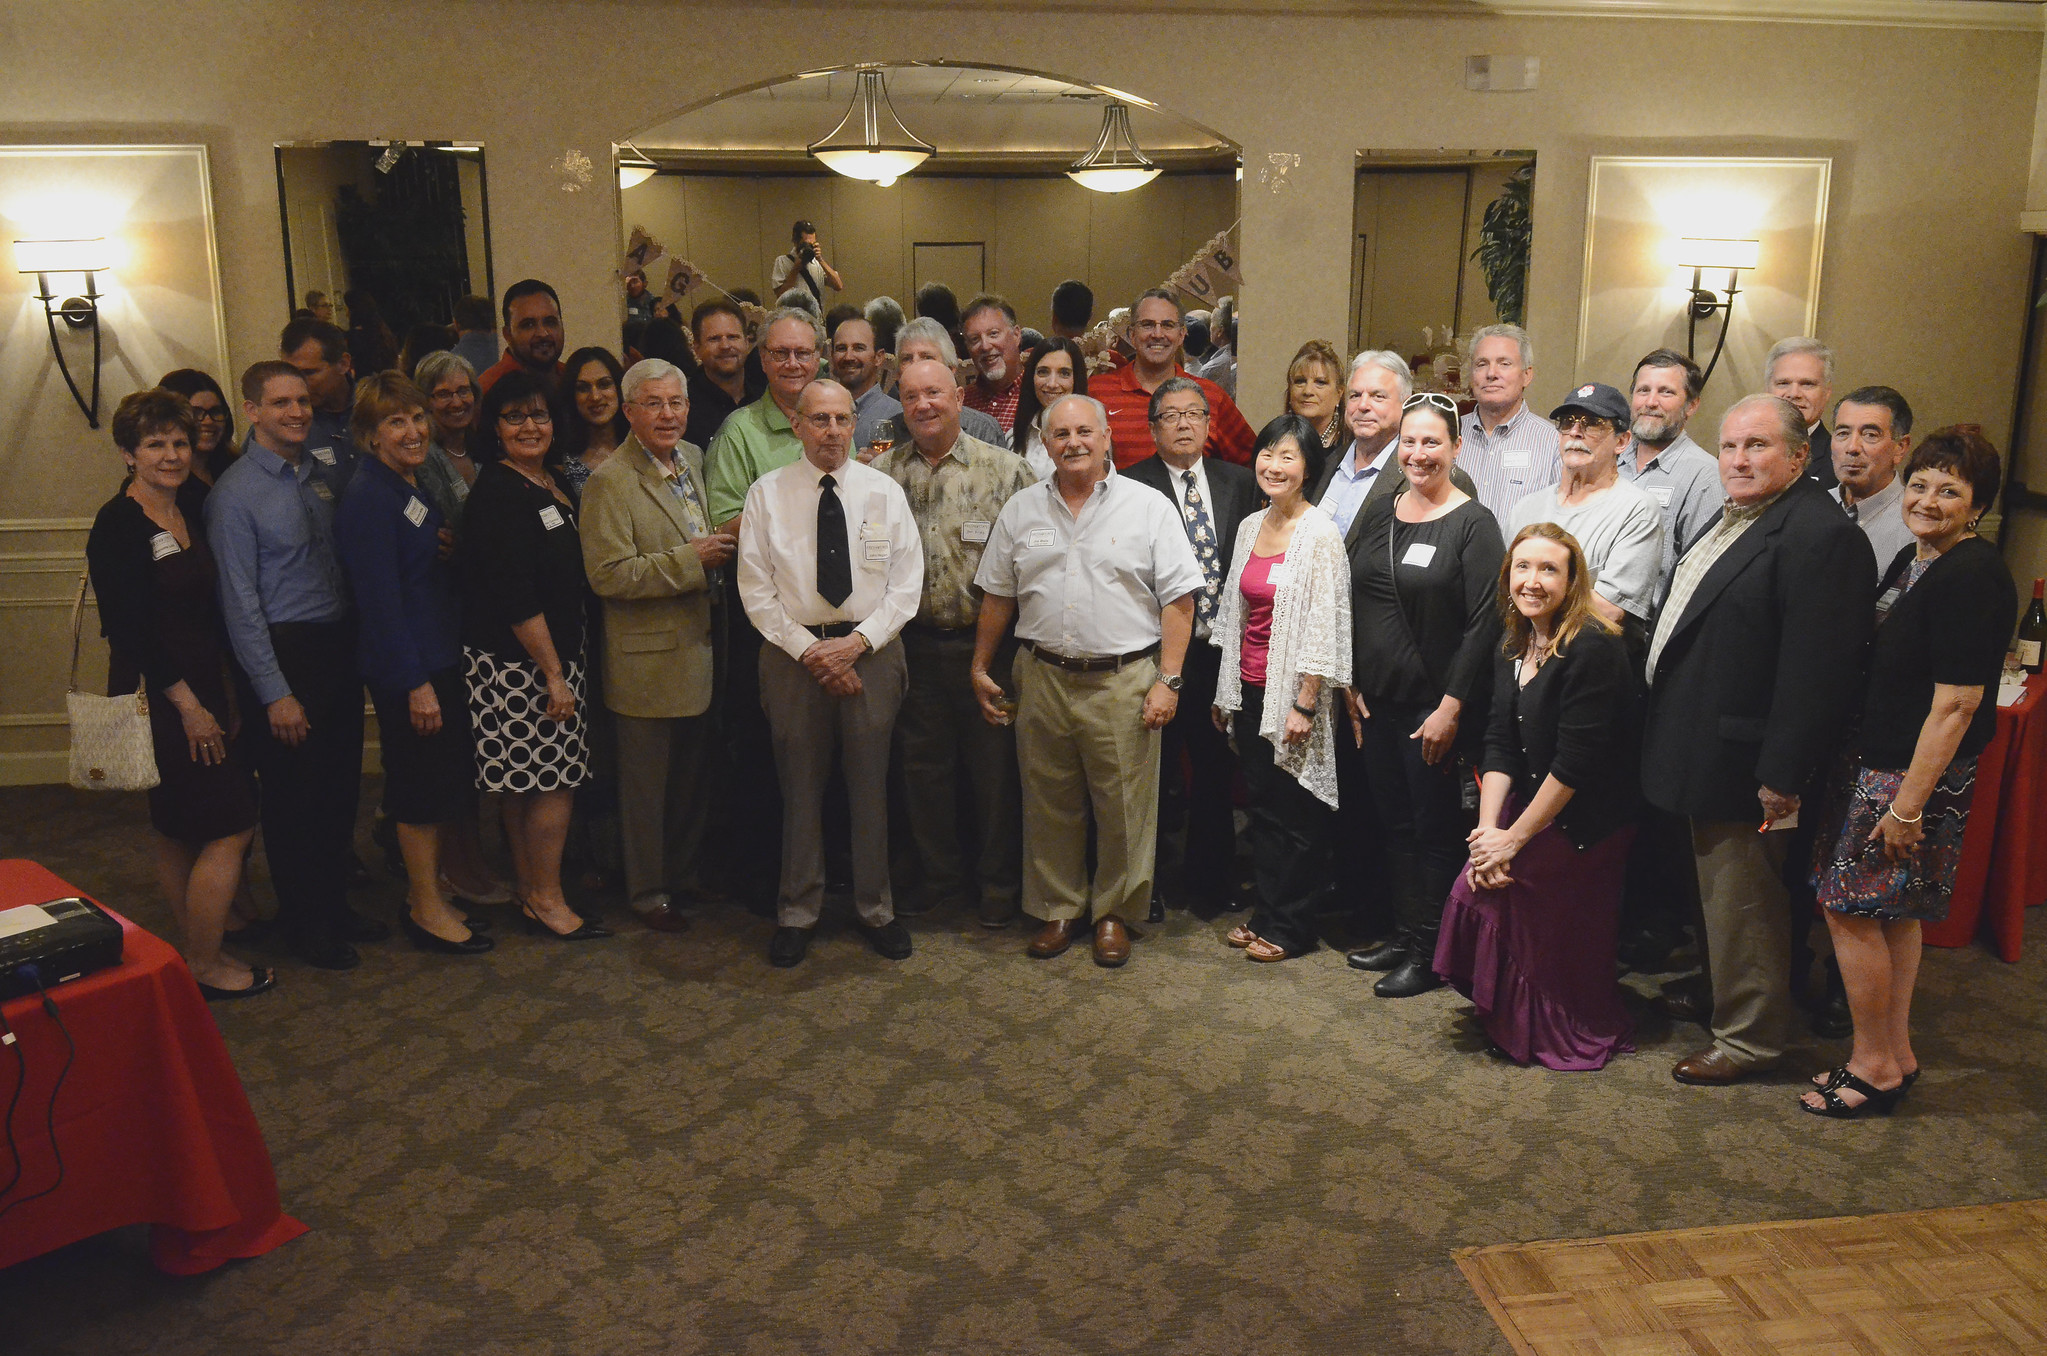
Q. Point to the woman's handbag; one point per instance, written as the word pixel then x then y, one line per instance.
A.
pixel 110 744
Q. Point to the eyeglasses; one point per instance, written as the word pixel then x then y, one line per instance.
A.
pixel 679 405
pixel 1582 423
pixel 218 413
pixel 518 417
pixel 786 356
pixel 1181 418
pixel 1433 398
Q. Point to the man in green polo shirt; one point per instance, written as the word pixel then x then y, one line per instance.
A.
pixel 758 438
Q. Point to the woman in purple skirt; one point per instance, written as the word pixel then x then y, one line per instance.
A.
pixel 1531 927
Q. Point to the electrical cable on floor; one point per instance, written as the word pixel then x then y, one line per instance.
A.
pixel 50 1113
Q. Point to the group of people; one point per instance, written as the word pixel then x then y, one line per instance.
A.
pixel 984 634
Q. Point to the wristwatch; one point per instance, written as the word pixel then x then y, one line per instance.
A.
pixel 1172 681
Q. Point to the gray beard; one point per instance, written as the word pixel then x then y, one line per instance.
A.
pixel 1669 433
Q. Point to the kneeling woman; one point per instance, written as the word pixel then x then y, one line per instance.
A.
pixel 1283 625
pixel 1531 927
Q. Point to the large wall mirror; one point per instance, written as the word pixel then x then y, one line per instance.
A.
pixel 1441 248
pixel 404 223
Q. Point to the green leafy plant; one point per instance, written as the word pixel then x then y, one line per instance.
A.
pixel 1503 239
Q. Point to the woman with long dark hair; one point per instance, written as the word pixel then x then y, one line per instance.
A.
pixel 213 430
pixel 1053 368
pixel 590 382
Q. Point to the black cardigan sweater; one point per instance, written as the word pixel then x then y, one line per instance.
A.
pixel 1577 720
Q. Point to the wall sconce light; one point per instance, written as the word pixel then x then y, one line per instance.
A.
pixel 635 167
pixel 871 142
pixel 1698 254
pixel 1115 165
pixel 87 257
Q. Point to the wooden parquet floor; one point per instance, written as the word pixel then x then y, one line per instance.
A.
pixel 1967 1281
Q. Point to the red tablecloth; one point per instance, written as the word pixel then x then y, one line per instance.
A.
pixel 2004 853
pixel 152 1120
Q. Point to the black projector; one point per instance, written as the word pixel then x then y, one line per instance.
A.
pixel 62 939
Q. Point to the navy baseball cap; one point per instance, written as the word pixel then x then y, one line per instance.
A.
pixel 1596 397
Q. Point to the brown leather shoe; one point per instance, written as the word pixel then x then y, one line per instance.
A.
pixel 1712 1068
pixel 1052 939
pixel 665 919
pixel 1112 942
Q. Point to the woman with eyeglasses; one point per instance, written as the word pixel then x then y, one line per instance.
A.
pixel 1056 368
pixel 1424 624
pixel 591 380
pixel 1532 925
pixel 1314 390
pixel 522 640
pixel 449 470
pixel 213 441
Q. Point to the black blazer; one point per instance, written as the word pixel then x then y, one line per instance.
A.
pixel 1579 720
pixel 1233 488
pixel 1391 480
pixel 1819 457
pixel 1764 664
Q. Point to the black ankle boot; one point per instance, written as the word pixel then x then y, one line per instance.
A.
pixel 1413 977
pixel 1381 955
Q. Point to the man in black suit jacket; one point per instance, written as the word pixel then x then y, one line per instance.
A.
pixel 1753 664
pixel 1801 370
pixel 1213 498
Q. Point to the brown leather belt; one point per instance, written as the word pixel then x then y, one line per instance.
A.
pixel 1073 665
pixel 832 630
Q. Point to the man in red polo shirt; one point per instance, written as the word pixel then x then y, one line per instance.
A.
pixel 994 343
pixel 533 334
pixel 1157 327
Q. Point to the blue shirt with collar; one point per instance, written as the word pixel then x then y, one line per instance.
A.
pixel 1352 484
pixel 271 527
pixel 330 446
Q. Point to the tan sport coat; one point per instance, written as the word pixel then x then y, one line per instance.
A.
pixel 657 612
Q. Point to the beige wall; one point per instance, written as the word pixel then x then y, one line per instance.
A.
pixel 1930 131
pixel 1037 231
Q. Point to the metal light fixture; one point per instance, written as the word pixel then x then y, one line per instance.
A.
pixel 1115 165
pixel 635 167
pixel 871 142
pixel 1699 253
pixel 83 256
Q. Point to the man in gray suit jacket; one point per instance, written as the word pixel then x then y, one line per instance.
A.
pixel 651 555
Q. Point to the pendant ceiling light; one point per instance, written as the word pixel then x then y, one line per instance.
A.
pixel 1115 165
pixel 871 142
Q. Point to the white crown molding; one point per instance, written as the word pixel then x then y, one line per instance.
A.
pixel 2023 16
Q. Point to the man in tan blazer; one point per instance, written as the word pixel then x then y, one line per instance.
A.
pixel 652 557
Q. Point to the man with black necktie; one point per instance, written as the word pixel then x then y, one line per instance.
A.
pixel 1213 498
pixel 830 568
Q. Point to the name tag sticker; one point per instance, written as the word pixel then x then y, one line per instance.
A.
pixel 1883 604
pixel 320 488
pixel 415 512
pixel 164 544
pixel 1419 554
pixel 1661 494
pixel 876 550
pixel 550 517
pixel 1279 575
pixel 1518 459
pixel 323 455
pixel 974 531
pixel 1041 536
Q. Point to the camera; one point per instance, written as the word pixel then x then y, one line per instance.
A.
pixel 806 252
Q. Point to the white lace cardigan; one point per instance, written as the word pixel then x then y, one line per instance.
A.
pixel 1310 635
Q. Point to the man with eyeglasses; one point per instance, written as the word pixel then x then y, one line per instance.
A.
pixel 1157 330
pixel 830 569
pixel 533 335
pixel 653 559
pixel 1509 450
pixel 1213 497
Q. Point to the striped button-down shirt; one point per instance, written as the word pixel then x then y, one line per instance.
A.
pixel 1735 519
pixel 1517 458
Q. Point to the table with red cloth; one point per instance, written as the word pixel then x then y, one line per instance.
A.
pixel 2004 852
pixel 152 1121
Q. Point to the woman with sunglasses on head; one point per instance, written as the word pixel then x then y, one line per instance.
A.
pixel 1423 627
pixel 1532 926
pixel 1055 368
pixel 522 640
pixel 213 429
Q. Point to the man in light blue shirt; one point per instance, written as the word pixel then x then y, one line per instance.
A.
pixel 1663 461
pixel 1509 450
pixel 270 524
pixel 1373 402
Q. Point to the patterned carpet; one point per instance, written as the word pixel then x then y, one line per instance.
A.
pixel 658 1144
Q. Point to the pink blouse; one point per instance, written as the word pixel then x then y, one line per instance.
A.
pixel 1258 590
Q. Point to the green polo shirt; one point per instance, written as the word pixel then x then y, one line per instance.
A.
pixel 755 440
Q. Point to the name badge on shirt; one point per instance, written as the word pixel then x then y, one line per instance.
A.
pixel 1419 554
pixel 323 455
pixel 550 517
pixel 415 512
pixel 164 544
pixel 1660 493
pixel 875 550
pixel 1041 536
pixel 1517 459
pixel 1883 604
pixel 974 532
pixel 1279 574
pixel 320 488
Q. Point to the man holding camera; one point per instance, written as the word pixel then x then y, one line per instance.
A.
pixel 804 265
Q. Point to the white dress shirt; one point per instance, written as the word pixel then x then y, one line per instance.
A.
pixel 778 556
pixel 1090 587
pixel 1882 519
pixel 1353 484
pixel 1178 479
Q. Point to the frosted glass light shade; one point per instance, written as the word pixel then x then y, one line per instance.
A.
pixel 1115 165
pixel 62 256
pixel 871 142
pixel 1702 252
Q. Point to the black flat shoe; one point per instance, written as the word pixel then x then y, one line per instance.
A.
pixel 1390 954
pixel 326 953
pixel 786 949
pixel 265 980
pixel 433 942
pixel 891 941
pixel 360 927
pixel 588 932
pixel 1413 977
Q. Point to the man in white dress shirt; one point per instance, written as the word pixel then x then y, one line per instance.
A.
pixel 830 568
pixel 1872 439
pixel 1097 573
pixel 1509 450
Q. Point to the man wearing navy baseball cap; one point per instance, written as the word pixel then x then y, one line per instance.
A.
pixel 1620 526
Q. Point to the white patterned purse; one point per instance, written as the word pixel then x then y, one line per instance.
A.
pixel 110 744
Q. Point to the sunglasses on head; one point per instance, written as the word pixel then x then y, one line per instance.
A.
pixel 1434 398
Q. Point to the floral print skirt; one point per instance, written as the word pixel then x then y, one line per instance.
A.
pixel 1852 875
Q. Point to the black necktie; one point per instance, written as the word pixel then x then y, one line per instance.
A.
pixel 834 565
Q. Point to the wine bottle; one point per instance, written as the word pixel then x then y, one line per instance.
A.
pixel 2033 630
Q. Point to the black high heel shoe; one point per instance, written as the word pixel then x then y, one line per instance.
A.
pixel 588 932
pixel 427 941
pixel 1875 1101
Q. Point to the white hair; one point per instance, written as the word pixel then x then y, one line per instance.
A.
pixel 1101 410
pixel 1386 360
pixel 1784 348
pixel 809 319
pixel 1514 332
pixel 429 371
pixel 931 332
pixel 644 371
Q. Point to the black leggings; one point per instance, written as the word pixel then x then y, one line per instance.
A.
pixel 1421 811
pixel 1290 837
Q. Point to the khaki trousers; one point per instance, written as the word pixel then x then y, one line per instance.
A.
pixel 1748 937
pixel 661 803
pixel 1081 742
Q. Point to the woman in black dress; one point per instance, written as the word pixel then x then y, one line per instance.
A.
pixel 1424 626
pixel 522 640
pixel 154 578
